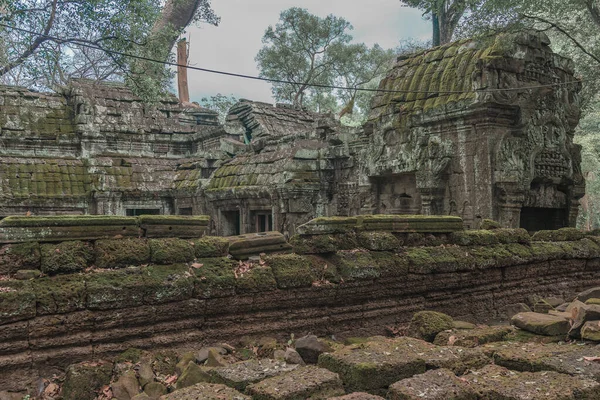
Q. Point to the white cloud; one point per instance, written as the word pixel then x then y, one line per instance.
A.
pixel 233 45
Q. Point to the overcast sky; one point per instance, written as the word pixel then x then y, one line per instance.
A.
pixel 233 45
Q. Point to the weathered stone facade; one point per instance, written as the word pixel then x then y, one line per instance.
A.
pixel 470 129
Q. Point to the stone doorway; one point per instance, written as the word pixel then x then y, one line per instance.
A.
pixel 535 219
pixel 230 223
pixel 397 194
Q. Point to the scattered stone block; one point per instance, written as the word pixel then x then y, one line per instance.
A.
pixel 242 374
pixel 588 301
pixel 293 357
pixel 374 365
pixel 473 337
pixel 206 391
pixel 463 325
pixel 495 382
pixel 183 362
pixel 308 382
pixel 427 324
pixel 145 373
pixel 126 387
pixel 574 305
pixel 84 379
pixel 211 246
pixel 203 353
pixel 439 384
pixel 310 347
pixel 591 331
pixel 588 294
pixel 542 307
pixel 155 389
pixel 27 274
pixel 215 359
pixel 581 316
pixel 357 396
pixel 191 375
pixel 253 244
pixel 554 301
pixel 142 396
pixel 542 324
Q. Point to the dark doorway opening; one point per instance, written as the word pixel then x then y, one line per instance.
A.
pixel 537 219
pixel 230 223
pixel 134 212
pixel 185 211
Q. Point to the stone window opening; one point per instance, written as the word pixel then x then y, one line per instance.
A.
pixel 185 211
pixel 134 212
pixel 535 219
pixel 261 221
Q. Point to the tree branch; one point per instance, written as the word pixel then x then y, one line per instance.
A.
pixel 34 46
pixel 564 32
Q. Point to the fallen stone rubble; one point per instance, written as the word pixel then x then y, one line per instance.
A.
pixel 542 356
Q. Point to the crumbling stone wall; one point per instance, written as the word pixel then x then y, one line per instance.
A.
pixel 354 275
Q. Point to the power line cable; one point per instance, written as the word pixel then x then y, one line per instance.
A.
pixel 79 42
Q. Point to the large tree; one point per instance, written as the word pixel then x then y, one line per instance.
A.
pixel 307 51
pixel 298 49
pixel 445 15
pixel 79 38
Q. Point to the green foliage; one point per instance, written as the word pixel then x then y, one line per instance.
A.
pixel 308 50
pixel 38 60
pixel 219 103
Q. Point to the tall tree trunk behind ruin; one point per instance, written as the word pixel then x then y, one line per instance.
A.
pixel 175 17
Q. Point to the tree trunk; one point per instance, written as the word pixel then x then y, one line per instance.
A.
pixel 175 17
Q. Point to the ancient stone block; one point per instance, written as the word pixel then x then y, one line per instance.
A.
pixel 66 257
pixel 119 253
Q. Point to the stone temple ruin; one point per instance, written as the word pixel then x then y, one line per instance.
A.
pixel 126 253
pixel 444 138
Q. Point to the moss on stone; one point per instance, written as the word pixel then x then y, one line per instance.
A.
pixel 66 257
pixel 119 253
pixel 173 220
pixel 559 235
pixel 257 279
pixel 323 269
pixel 82 381
pixel 14 257
pixel 584 248
pixel 545 251
pixel 70 220
pixel 214 277
pixel 470 238
pixel 378 241
pixel 427 324
pixel 167 283
pixel 211 246
pixel 132 355
pixel 17 301
pixel 290 270
pixel 109 290
pixel 510 235
pixel 356 265
pixel 171 250
pixel 59 294
pixel 489 224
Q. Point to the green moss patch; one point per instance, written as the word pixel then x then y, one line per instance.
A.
pixel 470 238
pixel 167 283
pixel 290 270
pixel 14 257
pixel 378 241
pixel 59 294
pixel 70 220
pixel 425 260
pixel 109 290
pixel 559 235
pixel 66 257
pixel 211 246
pixel 427 324
pixel 214 277
pixel 121 253
pixel 356 265
pixel 17 301
pixel 173 220
pixel 171 251
pixel 257 279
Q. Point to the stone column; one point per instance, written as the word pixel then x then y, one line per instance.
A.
pixel 510 197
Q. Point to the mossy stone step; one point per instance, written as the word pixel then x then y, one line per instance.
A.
pixel 242 374
pixel 376 364
pixel 308 382
pixel 205 391
pixel 438 384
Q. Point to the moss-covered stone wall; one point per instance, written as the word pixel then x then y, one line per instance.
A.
pixel 98 298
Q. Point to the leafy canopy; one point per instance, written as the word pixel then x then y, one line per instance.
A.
pixel 63 32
